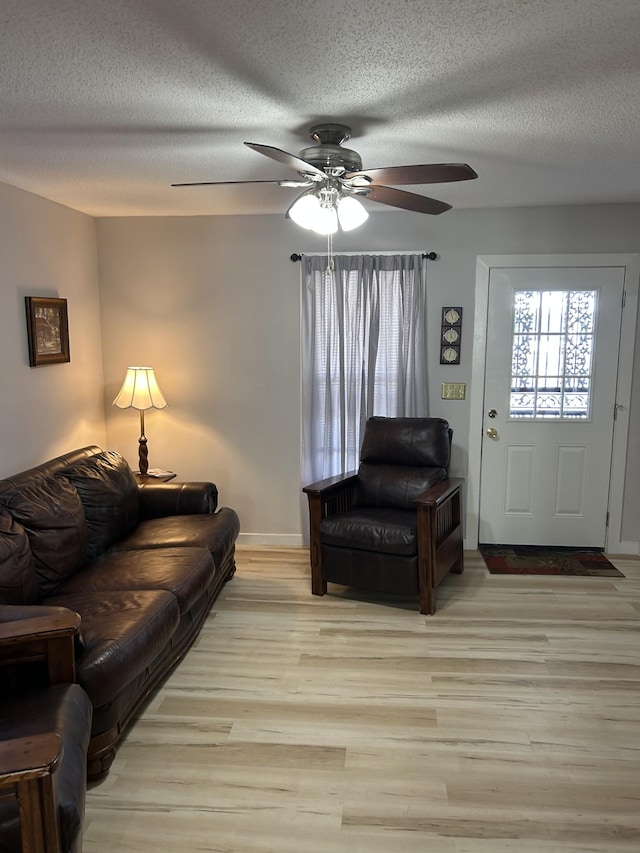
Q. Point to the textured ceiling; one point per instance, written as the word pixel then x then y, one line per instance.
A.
pixel 105 103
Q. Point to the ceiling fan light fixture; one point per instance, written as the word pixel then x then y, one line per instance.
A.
pixel 316 212
pixel 351 213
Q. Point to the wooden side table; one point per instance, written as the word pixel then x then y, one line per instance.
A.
pixel 145 478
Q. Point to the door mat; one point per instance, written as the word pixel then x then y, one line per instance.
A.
pixel 533 560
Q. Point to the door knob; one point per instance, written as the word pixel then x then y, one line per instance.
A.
pixel 492 433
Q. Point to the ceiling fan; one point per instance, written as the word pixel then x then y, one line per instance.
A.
pixel 332 178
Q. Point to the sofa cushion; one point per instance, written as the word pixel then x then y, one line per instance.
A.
pixel 385 530
pixel 394 485
pixel 18 581
pixel 50 511
pixel 110 498
pixel 123 633
pixel 217 532
pixel 186 572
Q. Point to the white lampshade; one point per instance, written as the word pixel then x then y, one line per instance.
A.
pixel 326 220
pixel 140 390
pixel 304 211
pixel 309 212
pixel 351 213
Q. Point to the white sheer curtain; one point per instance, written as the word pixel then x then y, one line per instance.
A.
pixel 363 352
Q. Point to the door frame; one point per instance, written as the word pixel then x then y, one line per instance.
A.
pixel 484 264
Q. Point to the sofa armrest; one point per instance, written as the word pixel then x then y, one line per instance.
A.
pixel 43 634
pixel 158 500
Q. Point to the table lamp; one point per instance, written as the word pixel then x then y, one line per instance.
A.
pixel 140 391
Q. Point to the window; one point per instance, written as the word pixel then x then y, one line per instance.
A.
pixel 552 354
pixel 363 352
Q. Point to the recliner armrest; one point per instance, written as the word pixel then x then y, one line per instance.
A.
pixel 326 497
pixel 330 484
pixel 26 768
pixel 158 500
pixel 31 757
pixel 38 632
pixel 440 492
pixel 330 496
pixel 22 623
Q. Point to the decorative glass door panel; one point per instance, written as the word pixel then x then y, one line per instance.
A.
pixel 552 354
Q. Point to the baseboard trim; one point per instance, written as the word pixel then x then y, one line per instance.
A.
pixel 622 549
pixel 296 540
pixel 283 540
pixel 625 548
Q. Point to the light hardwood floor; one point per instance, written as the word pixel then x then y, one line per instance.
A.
pixel 506 723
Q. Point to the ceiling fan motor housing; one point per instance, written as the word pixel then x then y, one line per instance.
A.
pixel 330 154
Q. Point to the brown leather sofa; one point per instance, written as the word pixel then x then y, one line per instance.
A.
pixel 142 565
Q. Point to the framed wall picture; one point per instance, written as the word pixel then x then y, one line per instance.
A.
pixel 47 330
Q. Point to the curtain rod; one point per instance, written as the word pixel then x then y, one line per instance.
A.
pixel 430 256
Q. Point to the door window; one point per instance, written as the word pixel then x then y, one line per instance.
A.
pixel 552 354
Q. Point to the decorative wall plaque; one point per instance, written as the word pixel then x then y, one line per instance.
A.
pixel 450 335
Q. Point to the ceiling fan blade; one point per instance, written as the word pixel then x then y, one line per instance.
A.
pixel 432 173
pixel 407 201
pixel 288 159
pixel 222 183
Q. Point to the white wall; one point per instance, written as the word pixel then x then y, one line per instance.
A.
pixel 213 304
pixel 47 250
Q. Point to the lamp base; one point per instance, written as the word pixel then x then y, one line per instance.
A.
pixel 143 451
pixel 143 455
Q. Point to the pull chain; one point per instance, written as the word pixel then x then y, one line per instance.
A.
pixel 330 265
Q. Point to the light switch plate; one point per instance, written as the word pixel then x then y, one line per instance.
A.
pixel 454 390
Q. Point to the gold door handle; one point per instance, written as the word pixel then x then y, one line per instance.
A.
pixel 492 433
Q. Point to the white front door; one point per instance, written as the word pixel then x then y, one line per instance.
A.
pixel 549 405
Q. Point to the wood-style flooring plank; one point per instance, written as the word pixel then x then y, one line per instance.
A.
pixel 509 722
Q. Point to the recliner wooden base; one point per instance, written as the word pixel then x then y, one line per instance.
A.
pixel 439 528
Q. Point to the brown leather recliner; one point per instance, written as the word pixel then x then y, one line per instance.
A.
pixel 44 733
pixel 395 525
